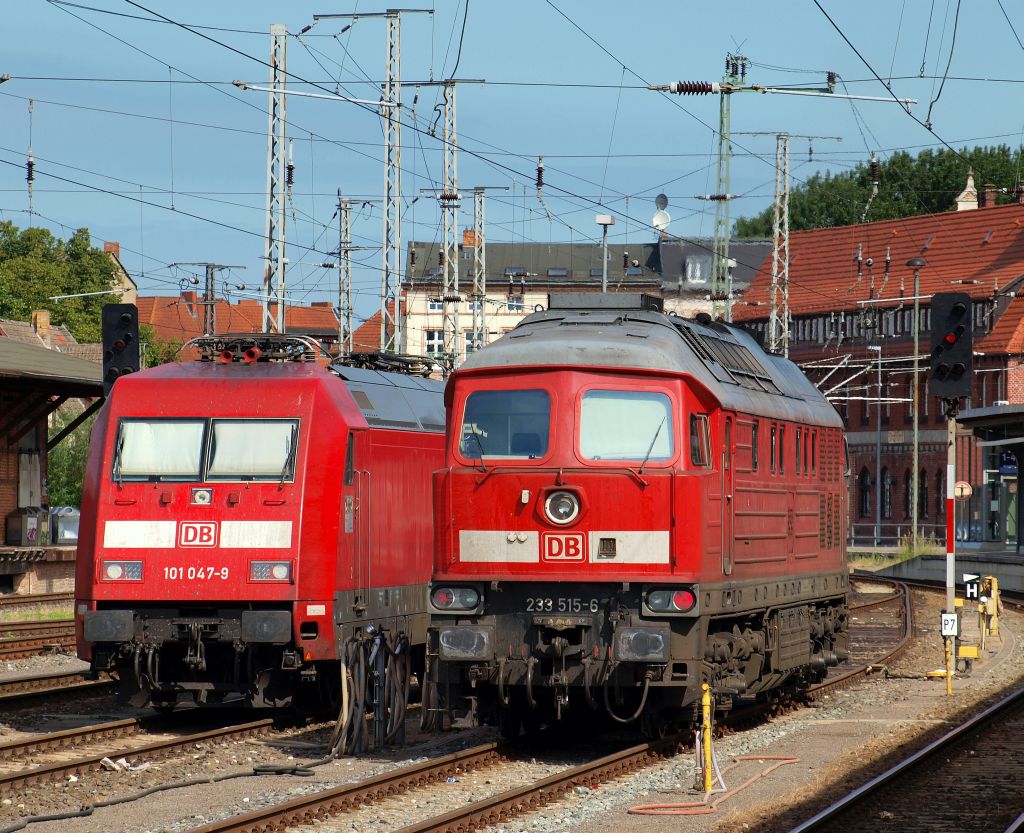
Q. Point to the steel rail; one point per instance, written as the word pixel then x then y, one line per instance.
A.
pixel 42 685
pixel 529 797
pixel 91 763
pixel 15 600
pixel 851 676
pixel 35 636
pixel 309 809
pixel 891 775
pixel 68 737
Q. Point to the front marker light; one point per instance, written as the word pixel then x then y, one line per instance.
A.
pixel 455 598
pixel 121 571
pixel 270 571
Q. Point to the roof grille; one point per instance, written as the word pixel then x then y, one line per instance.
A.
pixel 745 370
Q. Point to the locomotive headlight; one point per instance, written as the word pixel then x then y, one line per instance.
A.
pixel 270 571
pixel 671 600
pixel 455 598
pixel 562 507
pixel 122 570
pixel 202 497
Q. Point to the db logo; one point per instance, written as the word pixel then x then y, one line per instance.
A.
pixel 197 534
pixel 569 546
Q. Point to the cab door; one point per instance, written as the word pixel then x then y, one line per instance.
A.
pixel 355 551
pixel 728 466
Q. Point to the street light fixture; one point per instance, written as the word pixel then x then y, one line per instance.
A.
pixel 604 220
pixel 916 263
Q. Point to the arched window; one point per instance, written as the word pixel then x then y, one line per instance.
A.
pixel 908 485
pixel 940 494
pixel 886 494
pixel 864 493
pixel 922 495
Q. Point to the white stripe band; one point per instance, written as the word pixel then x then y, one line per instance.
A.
pixel 138 534
pixel 258 535
pixel 486 547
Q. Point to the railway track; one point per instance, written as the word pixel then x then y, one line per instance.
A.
pixel 41 600
pixel 978 761
pixel 63 758
pixel 24 689
pixel 27 639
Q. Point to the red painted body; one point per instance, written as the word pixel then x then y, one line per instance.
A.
pixel 204 563
pixel 769 527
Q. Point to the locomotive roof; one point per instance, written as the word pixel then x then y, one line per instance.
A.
pixel 723 358
pixel 386 400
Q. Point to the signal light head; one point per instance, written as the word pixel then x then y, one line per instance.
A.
pixel 949 338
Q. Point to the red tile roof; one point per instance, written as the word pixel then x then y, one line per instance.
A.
pixel 179 318
pixel 1007 336
pixel 984 247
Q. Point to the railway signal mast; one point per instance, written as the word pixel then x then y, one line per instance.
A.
pixel 952 365
pixel 274 238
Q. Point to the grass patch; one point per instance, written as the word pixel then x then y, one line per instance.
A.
pixel 35 613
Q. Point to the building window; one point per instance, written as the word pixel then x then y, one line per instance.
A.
pixel 864 493
pixel 473 306
pixel 695 273
pixel 435 342
pixel 558 272
pixel 886 494
pixel 435 305
pixel 512 271
pixel 922 495
pixel 908 486
pixel 470 341
pixel 514 303
pixel 940 494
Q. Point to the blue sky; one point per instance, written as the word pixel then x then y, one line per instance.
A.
pixel 119 116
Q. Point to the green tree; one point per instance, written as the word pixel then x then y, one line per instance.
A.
pixel 65 464
pixel 156 350
pixel 924 184
pixel 35 265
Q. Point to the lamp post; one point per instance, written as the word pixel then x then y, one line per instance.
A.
pixel 604 220
pixel 878 450
pixel 916 263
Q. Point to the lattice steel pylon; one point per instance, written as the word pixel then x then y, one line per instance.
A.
pixel 479 296
pixel 450 200
pixel 344 275
pixel 274 239
pixel 391 337
pixel 778 324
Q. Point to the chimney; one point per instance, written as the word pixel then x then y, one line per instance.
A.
pixel 987 197
pixel 41 324
pixel 113 248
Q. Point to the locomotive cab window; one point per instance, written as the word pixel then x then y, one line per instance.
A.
pixel 253 449
pixel 510 424
pixel 626 425
pixel 700 443
pixel 159 449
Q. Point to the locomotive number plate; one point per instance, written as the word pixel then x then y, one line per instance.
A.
pixel 195 573
pixel 560 604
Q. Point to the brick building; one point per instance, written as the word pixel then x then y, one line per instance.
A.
pixel 852 330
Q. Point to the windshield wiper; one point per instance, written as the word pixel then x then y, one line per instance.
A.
pixel 290 459
pixel 650 448
pixel 479 445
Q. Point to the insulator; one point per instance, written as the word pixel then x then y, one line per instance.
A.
pixel 874 170
pixel 449 196
pixel 625 260
pixel 540 172
pixel 831 78
pixel 289 175
pixel 690 87
pixel 440 258
pixel 452 299
pixel 30 171
pixel 412 257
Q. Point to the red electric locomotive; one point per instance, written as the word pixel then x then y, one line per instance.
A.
pixel 634 504
pixel 245 518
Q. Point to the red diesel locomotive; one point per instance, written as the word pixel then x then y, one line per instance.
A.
pixel 634 504
pixel 244 520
